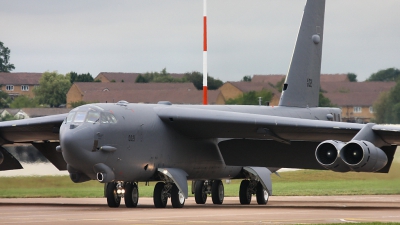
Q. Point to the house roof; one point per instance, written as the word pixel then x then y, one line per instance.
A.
pixel 353 87
pixel 118 77
pixel 129 77
pixel 175 96
pixel 97 87
pixel 355 93
pixel 20 78
pixel 275 78
pixel 37 112
pixel 253 86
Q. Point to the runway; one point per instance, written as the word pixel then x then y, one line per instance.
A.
pixel 279 210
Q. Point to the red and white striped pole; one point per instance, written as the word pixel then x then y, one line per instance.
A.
pixel 205 54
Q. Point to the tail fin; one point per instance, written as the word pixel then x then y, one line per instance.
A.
pixel 302 84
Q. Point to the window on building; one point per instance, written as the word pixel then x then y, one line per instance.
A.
pixel 24 87
pixel 357 109
pixel 10 87
pixel 371 109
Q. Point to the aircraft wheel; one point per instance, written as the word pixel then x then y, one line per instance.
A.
pixel 217 192
pixel 131 195
pixel 113 199
pixel 245 192
pixel 261 194
pixel 177 197
pixel 200 194
pixel 160 196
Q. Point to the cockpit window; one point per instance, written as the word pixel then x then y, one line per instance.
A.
pixel 80 117
pixel 108 118
pixel 93 117
pixel 70 117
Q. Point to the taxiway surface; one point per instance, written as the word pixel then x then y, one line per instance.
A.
pixel 279 210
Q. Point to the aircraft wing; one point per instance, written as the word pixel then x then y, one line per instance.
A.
pixel 269 141
pixel 200 123
pixel 42 132
pixel 33 129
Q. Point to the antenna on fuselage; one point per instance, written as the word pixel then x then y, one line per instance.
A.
pixel 205 53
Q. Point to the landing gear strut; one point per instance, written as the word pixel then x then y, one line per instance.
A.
pixel 213 187
pixel 163 191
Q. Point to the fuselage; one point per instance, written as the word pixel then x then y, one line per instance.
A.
pixel 133 141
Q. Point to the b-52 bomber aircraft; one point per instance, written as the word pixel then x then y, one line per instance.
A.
pixel 122 144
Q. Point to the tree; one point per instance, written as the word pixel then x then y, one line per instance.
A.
pixel 23 101
pixel 251 98
pixel 83 77
pixel 53 88
pixel 197 79
pixel 78 103
pixel 324 101
pixel 4 100
pixel 387 108
pixel 352 77
pixel 194 77
pixel 391 74
pixel 246 79
pixel 5 66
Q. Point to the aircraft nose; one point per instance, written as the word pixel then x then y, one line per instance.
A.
pixel 76 144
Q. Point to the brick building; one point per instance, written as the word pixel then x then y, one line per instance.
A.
pixel 15 84
pixel 176 93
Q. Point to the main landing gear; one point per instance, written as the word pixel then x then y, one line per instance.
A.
pixel 203 188
pixel 248 188
pixel 163 191
pixel 114 191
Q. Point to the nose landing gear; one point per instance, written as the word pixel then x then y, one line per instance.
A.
pixel 114 191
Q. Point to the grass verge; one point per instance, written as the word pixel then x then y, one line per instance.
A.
pixel 302 182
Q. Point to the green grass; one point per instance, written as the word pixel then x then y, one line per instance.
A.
pixel 362 223
pixel 302 182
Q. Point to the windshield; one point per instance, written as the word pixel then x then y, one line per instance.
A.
pixel 91 116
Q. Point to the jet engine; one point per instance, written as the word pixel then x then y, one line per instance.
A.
pixel 363 156
pixel 328 155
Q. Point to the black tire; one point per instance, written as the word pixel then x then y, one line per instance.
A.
pixel 217 192
pixel 113 200
pixel 131 195
pixel 200 194
pixel 261 194
pixel 177 197
pixel 244 192
pixel 159 197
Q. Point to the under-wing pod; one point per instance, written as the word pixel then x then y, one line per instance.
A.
pixel 328 155
pixel 363 156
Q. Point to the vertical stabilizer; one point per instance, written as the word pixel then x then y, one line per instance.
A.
pixel 302 84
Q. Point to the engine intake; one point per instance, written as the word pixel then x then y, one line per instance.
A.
pixel 363 156
pixel 327 154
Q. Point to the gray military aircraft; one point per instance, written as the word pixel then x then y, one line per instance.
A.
pixel 122 144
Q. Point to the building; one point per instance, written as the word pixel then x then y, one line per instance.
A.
pixel 176 93
pixel 230 90
pixel 106 77
pixel 15 84
pixel 276 78
pixel 356 99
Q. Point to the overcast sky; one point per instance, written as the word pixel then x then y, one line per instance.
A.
pixel 244 37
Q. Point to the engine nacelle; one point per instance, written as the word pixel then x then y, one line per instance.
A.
pixel 363 156
pixel 328 155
